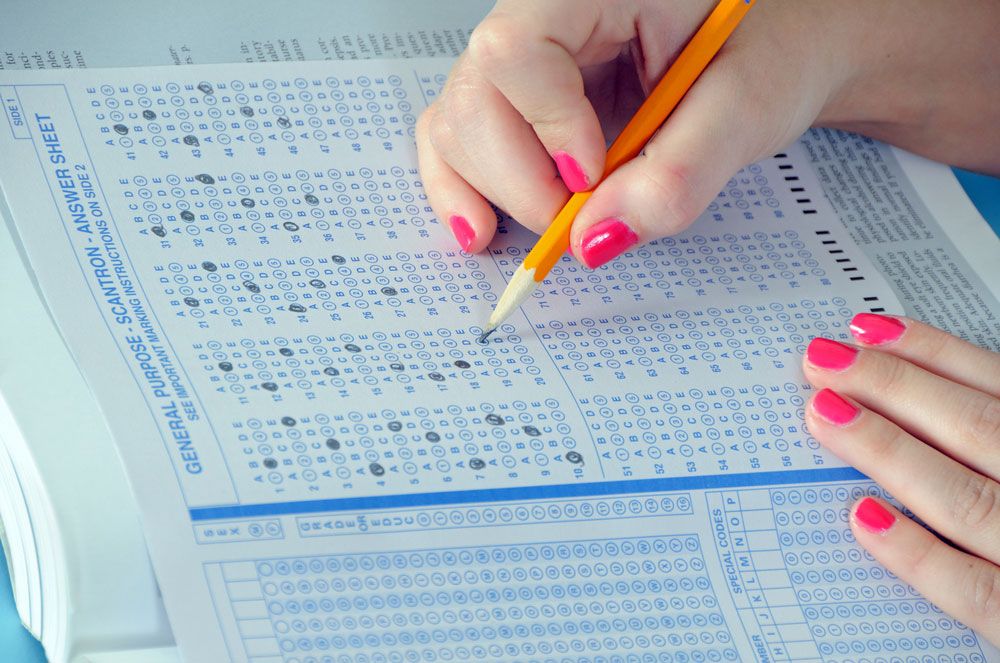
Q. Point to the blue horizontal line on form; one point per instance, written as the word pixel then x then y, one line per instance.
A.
pixel 486 495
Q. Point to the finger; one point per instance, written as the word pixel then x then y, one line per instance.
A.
pixel 964 586
pixel 542 38
pixel 749 102
pixel 710 136
pixel 468 215
pixel 953 499
pixel 960 421
pixel 489 144
pixel 933 349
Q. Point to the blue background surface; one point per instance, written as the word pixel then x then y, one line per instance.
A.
pixel 17 645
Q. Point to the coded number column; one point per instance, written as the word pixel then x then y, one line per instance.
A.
pixel 747 542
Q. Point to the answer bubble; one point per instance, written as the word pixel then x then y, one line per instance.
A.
pixel 389 292
pixel 159 231
pixel 350 347
pixel 121 129
pixel 317 283
pixel 192 302
pixel 333 443
pixel 432 436
pixel 461 363
pixel 225 366
pixel 395 426
pixel 249 203
pixel 191 140
pixel 205 179
pixel 437 377
pixel 209 266
pixel 148 115
pixel 477 463
pixel 251 286
pixel 270 463
pixel 284 122
pixel 311 199
pixel 531 430
pixel 494 419
pixel 187 215
pixel 376 469
pixel 396 366
pixel 574 457
pixel 206 88
pixel 290 226
pixel 339 260
pixel 269 386
pixel 331 371
pixel 296 308
pixel 288 421
pixel 246 111
pixel 287 352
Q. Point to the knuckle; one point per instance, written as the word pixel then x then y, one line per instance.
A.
pixel 887 375
pixel 463 101
pixel 931 347
pixel 976 501
pixel 984 592
pixel 670 187
pixel 883 442
pixel 981 422
pixel 440 133
pixel 494 40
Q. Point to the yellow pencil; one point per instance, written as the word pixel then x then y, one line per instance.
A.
pixel 662 101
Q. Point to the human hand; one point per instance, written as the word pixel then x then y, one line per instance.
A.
pixel 545 82
pixel 922 418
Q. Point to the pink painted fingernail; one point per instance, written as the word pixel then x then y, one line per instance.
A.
pixel 873 516
pixel 831 406
pixel 605 241
pixel 571 173
pixel 463 231
pixel 875 329
pixel 830 355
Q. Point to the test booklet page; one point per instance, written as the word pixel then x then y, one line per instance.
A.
pixel 329 466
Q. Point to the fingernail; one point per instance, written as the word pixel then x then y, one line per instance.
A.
pixel 830 355
pixel 571 173
pixel 832 407
pixel 873 516
pixel 605 241
pixel 875 329
pixel 463 231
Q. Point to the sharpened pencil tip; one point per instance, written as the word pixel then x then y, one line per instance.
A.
pixel 485 335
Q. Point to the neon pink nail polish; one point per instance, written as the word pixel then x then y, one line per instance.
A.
pixel 830 355
pixel 875 329
pixel 605 241
pixel 463 231
pixel 831 406
pixel 873 516
pixel 571 173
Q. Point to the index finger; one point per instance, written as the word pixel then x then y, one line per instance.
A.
pixel 527 51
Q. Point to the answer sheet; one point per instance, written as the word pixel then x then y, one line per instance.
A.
pixel 282 338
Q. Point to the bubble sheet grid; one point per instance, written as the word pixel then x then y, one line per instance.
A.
pixel 510 514
pixel 307 284
pixel 805 590
pixel 295 207
pixel 258 118
pixel 400 451
pixel 636 599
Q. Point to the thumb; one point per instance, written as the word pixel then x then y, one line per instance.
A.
pixel 727 120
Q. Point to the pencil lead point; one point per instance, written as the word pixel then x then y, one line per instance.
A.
pixel 485 335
